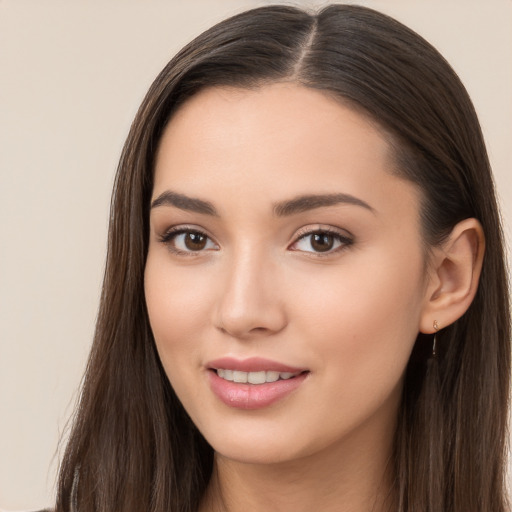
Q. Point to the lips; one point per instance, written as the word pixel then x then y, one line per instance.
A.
pixel 253 383
pixel 252 364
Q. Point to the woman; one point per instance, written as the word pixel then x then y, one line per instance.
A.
pixel 297 309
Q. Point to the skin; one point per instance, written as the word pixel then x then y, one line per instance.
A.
pixel 349 316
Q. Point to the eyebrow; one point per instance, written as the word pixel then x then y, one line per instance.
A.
pixel 310 202
pixel 281 209
pixel 183 202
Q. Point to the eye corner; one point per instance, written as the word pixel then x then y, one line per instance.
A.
pixel 329 241
pixel 197 243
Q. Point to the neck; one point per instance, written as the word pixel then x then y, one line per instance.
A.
pixel 349 477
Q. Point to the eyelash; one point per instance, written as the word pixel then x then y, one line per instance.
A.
pixel 171 234
pixel 345 241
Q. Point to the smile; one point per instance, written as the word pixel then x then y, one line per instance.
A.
pixel 253 383
pixel 260 377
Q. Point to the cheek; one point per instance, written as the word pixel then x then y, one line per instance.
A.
pixel 177 302
pixel 363 324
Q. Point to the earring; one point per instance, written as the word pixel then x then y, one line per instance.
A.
pixel 434 344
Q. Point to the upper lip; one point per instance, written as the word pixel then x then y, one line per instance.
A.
pixel 251 364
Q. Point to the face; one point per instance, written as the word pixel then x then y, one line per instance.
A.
pixel 285 277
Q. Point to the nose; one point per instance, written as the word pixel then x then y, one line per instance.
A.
pixel 250 302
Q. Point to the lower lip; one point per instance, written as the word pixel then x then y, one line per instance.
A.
pixel 253 396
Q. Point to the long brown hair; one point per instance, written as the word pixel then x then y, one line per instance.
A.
pixel 132 446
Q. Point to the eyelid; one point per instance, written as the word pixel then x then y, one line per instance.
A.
pixel 345 237
pixel 322 228
pixel 172 232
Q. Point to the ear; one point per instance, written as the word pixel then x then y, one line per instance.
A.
pixel 455 269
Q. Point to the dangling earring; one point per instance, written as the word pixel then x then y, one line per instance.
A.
pixel 434 344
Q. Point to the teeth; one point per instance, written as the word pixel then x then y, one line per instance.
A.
pixel 240 376
pixel 254 377
pixel 271 376
pixel 225 374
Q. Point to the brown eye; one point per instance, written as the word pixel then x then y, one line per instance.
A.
pixel 195 241
pixel 322 242
pixel 188 241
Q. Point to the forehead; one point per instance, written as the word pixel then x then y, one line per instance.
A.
pixel 273 142
pixel 279 109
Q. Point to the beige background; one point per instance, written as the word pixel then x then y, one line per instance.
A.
pixel 72 74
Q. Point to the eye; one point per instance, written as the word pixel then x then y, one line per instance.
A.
pixel 321 241
pixel 187 241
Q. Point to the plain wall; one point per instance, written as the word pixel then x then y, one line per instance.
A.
pixel 72 74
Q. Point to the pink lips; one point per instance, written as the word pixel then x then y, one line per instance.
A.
pixel 253 364
pixel 253 396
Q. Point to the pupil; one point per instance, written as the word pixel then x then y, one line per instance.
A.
pixel 322 242
pixel 195 241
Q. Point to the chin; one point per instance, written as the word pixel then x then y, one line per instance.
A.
pixel 252 455
pixel 266 446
